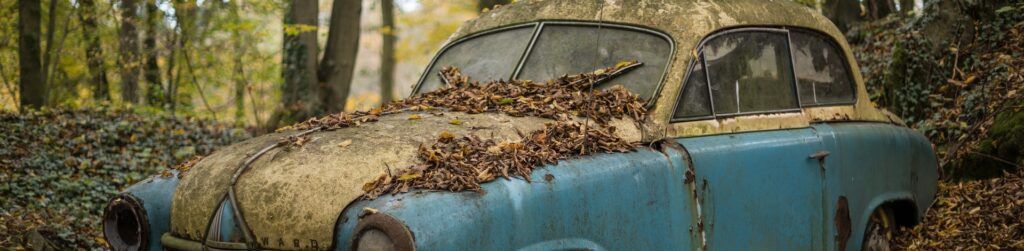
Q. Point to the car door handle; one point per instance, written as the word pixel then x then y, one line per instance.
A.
pixel 820 155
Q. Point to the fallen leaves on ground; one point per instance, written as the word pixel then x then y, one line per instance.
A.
pixel 973 215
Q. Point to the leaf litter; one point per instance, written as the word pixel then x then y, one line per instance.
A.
pixel 460 163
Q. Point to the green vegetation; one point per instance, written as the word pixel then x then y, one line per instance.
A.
pixel 953 74
pixel 58 168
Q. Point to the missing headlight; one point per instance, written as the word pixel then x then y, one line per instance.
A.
pixel 124 223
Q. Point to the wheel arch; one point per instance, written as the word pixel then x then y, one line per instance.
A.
pixel 903 205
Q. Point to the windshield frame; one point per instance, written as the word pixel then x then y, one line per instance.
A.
pixel 538 27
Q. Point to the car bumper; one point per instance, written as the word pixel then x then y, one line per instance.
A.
pixel 170 242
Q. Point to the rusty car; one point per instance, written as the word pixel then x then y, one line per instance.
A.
pixel 760 134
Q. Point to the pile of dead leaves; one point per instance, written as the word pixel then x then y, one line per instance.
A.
pixel 575 95
pixel 462 163
pixel 981 214
pixel 458 164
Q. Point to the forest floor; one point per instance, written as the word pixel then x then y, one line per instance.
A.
pixel 959 79
pixel 58 168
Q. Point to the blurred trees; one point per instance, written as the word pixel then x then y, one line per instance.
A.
pixel 223 59
pixel 314 88
pixel 93 50
pixel 489 4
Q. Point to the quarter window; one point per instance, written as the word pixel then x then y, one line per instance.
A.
pixel 821 71
pixel 695 101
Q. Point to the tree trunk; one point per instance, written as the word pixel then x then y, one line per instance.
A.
pixel 906 6
pixel 387 52
pixel 240 80
pixel 482 5
pixel 844 13
pixel 155 87
pixel 51 30
pixel 129 52
pixel 878 9
pixel 94 51
pixel 31 87
pixel 339 61
pixel 301 94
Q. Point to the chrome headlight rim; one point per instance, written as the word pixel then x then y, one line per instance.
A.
pixel 395 230
pixel 125 225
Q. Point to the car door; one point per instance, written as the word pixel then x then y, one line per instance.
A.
pixel 760 188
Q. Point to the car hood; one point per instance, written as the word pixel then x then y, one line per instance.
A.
pixel 295 194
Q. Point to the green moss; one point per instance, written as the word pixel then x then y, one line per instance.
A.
pixel 1005 143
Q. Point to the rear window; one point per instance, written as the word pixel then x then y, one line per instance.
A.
pixel 750 72
pixel 558 49
pixel 764 70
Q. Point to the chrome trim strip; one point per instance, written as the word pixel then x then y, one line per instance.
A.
pixel 170 242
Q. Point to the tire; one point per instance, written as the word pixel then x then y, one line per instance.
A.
pixel 880 232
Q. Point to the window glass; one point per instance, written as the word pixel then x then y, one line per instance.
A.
pixel 571 49
pixel 750 72
pixel 821 71
pixel 486 57
pixel 694 101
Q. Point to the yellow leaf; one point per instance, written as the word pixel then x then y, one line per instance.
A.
pixel 970 79
pixel 455 122
pixel 599 72
pixel 409 176
pixel 345 143
pixel 623 64
pixel 445 135
pixel 414 117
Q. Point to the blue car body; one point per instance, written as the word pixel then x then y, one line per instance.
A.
pixel 750 190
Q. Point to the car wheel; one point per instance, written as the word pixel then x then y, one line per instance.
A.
pixel 880 230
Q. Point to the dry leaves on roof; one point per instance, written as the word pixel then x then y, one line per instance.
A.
pixel 571 94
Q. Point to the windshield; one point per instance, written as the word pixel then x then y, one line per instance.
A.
pixel 559 49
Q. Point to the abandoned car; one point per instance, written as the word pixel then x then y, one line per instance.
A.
pixel 759 134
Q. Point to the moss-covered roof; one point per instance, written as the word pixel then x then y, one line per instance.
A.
pixel 686 21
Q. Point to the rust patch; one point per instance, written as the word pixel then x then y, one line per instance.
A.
pixel 842 222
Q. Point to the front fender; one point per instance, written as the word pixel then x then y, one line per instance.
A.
pixel 155 195
pixel 604 202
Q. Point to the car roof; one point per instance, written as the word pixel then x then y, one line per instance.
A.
pixel 685 21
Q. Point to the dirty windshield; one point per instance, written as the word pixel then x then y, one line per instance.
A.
pixel 559 49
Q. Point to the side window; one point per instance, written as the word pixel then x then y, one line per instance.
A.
pixel 694 102
pixel 750 71
pixel 822 73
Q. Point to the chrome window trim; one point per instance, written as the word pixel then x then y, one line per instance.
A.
pixel 536 34
pixel 789 44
